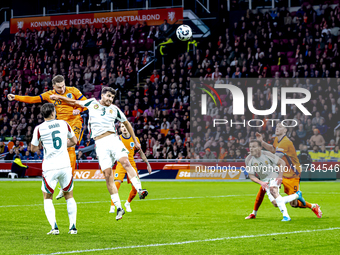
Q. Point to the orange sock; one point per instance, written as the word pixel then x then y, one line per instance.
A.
pixel 132 194
pixel 73 158
pixel 259 199
pixel 118 186
pixel 308 205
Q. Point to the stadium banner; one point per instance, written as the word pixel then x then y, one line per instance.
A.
pixel 151 17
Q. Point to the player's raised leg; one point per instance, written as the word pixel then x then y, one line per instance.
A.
pixel 133 177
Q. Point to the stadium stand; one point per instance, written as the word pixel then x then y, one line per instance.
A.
pixel 302 45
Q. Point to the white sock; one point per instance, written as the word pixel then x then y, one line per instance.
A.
pixel 50 212
pixel 282 206
pixel 254 212
pixel 289 198
pixel 72 211
pixel 136 183
pixel 116 200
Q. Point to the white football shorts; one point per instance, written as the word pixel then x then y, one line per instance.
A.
pixel 110 149
pixel 52 177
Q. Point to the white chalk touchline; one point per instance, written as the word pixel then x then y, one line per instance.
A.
pixel 192 241
pixel 152 199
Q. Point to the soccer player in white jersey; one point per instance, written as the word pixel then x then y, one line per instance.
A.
pixel 109 147
pixel 56 136
pixel 269 169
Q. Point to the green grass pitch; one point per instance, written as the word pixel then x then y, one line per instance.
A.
pixel 176 218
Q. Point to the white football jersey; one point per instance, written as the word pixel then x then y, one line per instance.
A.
pixel 102 118
pixel 53 135
pixel 264 166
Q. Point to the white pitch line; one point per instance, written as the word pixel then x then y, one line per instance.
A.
pixel 152 199
pixel 193 241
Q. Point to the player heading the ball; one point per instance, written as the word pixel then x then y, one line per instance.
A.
pixel 109 148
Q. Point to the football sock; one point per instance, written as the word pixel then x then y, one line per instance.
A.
pixel 73 158
pixel 282 206
pixel 289 198
pixel 72 211
pixel 132 194
pixel 136 183
pixel 50 212
pixel 308 205
pixel 255 212
pixel 116 200
pixel 118 186
pixel 259 199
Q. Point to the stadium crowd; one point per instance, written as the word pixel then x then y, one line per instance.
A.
pixel 89 59
pixel 301 46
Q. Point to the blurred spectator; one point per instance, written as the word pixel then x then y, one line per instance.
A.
pixel 315 153
pixel 317 139
pixel 18 167
pixel 208 154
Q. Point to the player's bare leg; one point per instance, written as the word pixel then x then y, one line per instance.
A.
pixel 50 213
pixel 72 212
pixel 111 187
pixel 314 207
pixel 133 177
pixel 113 208
pixel 258 202
pixel 132 195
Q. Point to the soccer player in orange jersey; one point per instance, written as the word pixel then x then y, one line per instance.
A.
pixel 120 172
pixel 65 112
pixel 284 148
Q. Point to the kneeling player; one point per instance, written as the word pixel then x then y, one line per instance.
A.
pixel 56 136
pixel 120 172
pixel 265 163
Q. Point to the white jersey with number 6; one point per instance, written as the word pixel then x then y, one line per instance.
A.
pixel 102 118
pixel 53 135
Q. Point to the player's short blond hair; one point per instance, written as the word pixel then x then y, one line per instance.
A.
pixel 57 79
pixel 255 141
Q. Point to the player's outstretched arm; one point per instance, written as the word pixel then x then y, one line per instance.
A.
pixel 25 99
pixel 264 185
pixel 265 145
pixel 69 101
pixel 141 153
pixel 132 133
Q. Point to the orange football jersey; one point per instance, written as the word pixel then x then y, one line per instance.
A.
pixel 286 150
pixel 130 146
pixel 64 111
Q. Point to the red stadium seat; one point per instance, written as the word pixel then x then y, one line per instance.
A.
pixel 133 43
pixel 274 69
pixel 141 43
pixel 287 67
pixel 96 94
pixel 215 153
pixel 27 72
pixel 285 41
pixel 202 153
pixel 142 35
pixel 290 54
pixel 89 158
pixel 291 61
pixel 149 44
pixel 276 41
pixel 125 43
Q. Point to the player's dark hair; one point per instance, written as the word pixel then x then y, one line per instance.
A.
pixel 255 141
pixel 57 79
pixel 108 89
pixel 47 109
